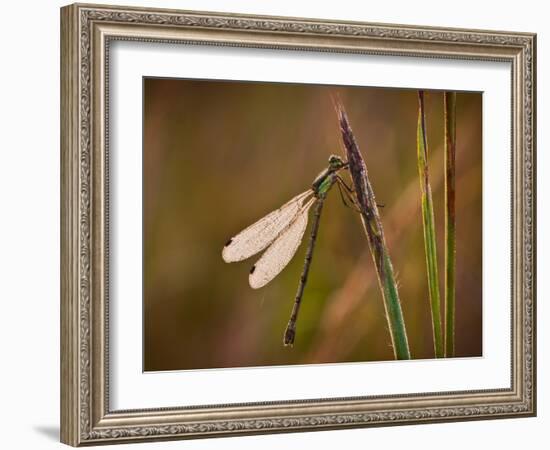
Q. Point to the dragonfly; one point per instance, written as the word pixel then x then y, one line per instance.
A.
pixel 281 233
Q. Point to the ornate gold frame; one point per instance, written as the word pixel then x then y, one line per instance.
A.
pixel 86 31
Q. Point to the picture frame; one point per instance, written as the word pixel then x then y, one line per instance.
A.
pixel 87 32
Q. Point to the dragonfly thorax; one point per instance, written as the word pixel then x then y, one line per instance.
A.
pixel 324 181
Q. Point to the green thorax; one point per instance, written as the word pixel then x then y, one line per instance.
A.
pixel 323 182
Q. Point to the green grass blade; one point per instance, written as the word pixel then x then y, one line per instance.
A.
pixel 375 237
pixel 449 101
pixel 429 228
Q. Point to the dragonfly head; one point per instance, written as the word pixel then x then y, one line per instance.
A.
pixel 335 162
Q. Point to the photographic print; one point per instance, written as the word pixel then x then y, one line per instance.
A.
pixel 293 224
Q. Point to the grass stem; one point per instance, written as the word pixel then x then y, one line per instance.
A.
pixel 449 103
pixel 429 228
pixel 372 225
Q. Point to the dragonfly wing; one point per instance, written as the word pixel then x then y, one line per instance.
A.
pixel 260 234
pixel 279 254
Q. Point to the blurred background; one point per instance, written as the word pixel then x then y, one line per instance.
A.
pixel 218 156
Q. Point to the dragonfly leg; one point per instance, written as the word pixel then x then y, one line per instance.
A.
pixel 344 184
pixel 349 190
pixel 346 192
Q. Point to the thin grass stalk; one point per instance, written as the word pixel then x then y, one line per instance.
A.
pixel 449 103
pixel 375 237
pixel 429 228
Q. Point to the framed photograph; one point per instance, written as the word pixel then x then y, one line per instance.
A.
pixel 276 224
